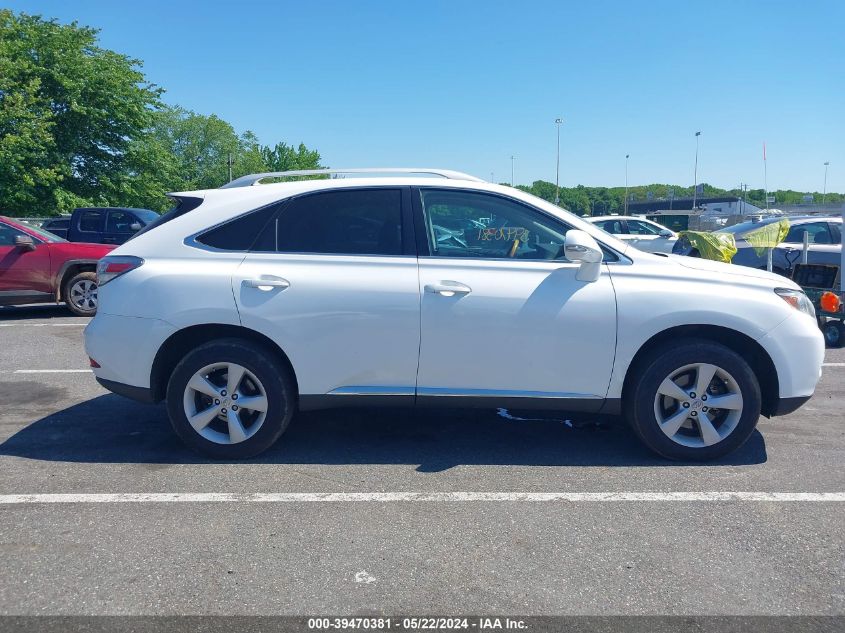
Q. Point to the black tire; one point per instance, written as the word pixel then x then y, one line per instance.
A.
pixel 639 404
pixel 274 377
pixel 834 334
pixel 80 307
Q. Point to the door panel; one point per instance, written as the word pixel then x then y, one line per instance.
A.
pixel 338 290
pixel 349 324
pixel 524 329
pixel 21 269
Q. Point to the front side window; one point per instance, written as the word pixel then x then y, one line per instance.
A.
pixel 8 235
pixel 469 224
pixel 638 227
pixel 120 222
pixel 818 232
pixel 345 222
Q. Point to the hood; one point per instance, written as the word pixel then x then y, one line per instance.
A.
pixel 706 265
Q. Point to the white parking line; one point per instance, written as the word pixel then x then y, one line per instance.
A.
pixel 833 364
pixel 51 371
pixel 417 497
pixel 43 324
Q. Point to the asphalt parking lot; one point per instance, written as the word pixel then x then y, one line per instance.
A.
pixel 302 553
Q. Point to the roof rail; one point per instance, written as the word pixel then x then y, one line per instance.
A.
pixel 254 179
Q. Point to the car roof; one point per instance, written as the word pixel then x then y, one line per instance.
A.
pixel 219 205
pixel 616 217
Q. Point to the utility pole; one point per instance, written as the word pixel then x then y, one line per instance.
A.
pixel 765 178
pixel 824 189
pixel 492 178
pixel 558 122
pixel 695 172
pixel 625 206
pixel 230 161
pixel 513 158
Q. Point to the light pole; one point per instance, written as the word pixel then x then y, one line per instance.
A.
pixel 625 206
pixel 513 158
pixel 695 172
pixel 492 178
pixel 557 166
pixel 824 189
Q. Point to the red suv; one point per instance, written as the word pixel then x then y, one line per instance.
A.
pixel 38 267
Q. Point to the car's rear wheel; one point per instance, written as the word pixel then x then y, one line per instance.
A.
pixel 80 294
pixel 694 400
pixel 834 334
pixel 229 399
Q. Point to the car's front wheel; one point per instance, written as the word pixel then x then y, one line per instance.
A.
pixel 694 400
pixel 229 399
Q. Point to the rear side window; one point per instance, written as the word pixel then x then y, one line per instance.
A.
pixel 91 221
pixel 238 234
pixel 611 226
pixel 348 222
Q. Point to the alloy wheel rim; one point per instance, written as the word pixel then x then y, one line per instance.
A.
pixel 698 405
pixel 225 403
pixel 83 294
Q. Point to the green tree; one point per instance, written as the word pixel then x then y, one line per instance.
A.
pixel 69 112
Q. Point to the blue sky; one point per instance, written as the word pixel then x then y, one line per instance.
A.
pixel 465 85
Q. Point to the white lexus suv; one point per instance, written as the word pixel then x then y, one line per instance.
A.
pixel 249 303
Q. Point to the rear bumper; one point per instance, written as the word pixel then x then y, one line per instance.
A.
pixel 125 347
pixel 140 394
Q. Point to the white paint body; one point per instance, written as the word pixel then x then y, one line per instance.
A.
pixel 364 324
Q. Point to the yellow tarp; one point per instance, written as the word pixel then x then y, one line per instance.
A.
pixel 768 236
pixel 720 247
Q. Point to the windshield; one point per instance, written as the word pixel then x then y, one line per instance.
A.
pixel 44 235
pixel 745 227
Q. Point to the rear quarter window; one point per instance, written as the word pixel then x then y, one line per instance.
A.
pixel 238 234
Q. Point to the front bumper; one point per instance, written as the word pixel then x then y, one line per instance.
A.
pixel 796 348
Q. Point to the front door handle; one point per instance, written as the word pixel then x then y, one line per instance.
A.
pixel 448 288
pixel 267 283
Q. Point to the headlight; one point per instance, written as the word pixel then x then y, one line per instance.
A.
pixel 798 300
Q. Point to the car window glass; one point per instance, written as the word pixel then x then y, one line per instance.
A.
pixel 835 233
pixel 120 222
pixel 638 227
pixel 240 233
pixel 346 222
pixel 8 235
pixel 818 232
pixel 91 221
pixel 468 224
pixel 614 227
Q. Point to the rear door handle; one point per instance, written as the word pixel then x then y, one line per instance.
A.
pixel 267 283
pixel 448 288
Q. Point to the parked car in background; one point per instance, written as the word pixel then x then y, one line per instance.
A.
pixel 101 225
pixel 638 232
pixel 57 226
pixel 250 302
pixel 825 243
pixel 39 267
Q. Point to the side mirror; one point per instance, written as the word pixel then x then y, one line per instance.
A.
pixel 581 247
pixel 135 226
pixel 665 233
pixel 24 242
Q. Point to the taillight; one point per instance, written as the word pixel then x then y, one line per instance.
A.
pixel 113 266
